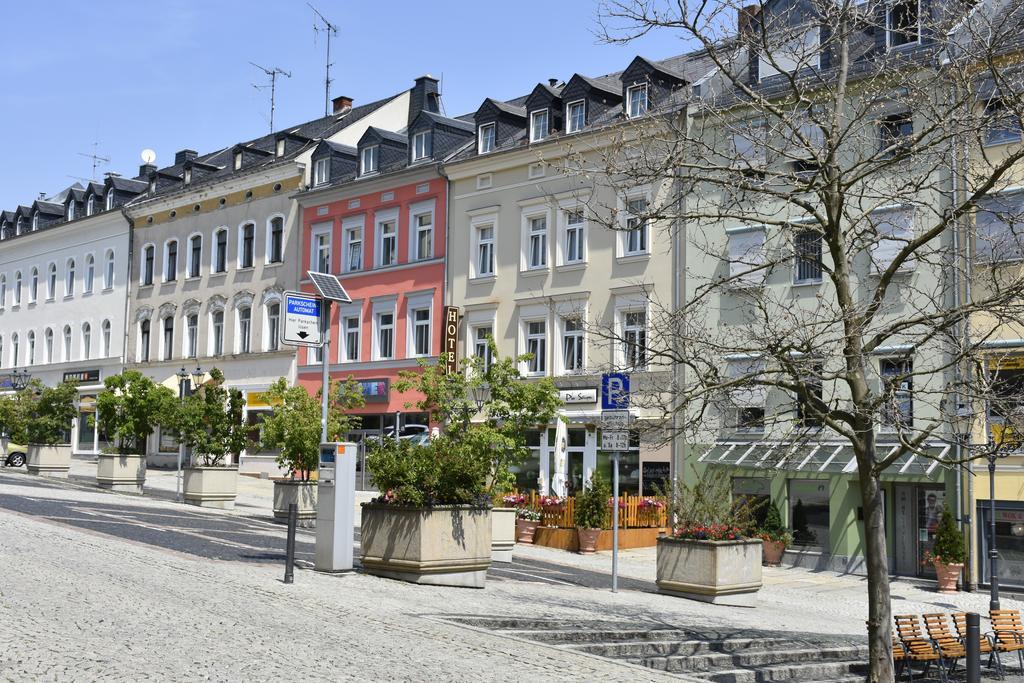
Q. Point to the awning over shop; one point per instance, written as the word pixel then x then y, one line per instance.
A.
pixel 822 457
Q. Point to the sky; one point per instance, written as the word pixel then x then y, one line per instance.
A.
pixel 116 77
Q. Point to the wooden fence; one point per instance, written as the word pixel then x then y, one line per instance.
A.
pixel 632 513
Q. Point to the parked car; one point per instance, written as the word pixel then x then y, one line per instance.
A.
pixel 16 455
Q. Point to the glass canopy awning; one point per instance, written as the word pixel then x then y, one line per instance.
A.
pixel 834 457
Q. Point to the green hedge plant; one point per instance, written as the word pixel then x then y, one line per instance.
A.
pixel 592 504
pixel 949 543
pixel 52 414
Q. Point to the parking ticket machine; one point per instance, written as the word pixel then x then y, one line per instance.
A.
pixel 335 507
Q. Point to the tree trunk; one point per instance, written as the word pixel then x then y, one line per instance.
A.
pixel 879 606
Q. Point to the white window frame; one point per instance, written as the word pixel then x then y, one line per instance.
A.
pixel 269 250
pixel 108 199
pixel 381 308
pixel 105 330
pixel 369 160
pixel 564 335
pixel 415 212
pixel 476 225
pixel 33 287
pixel 318 231
pixel 168 275
pixel 475 343
pixel 889 30
pixel 623 247
pixel 423 139
pixel 530 215
pixel 743 256
pixel 215 250
pixel 271 338
pixel 189 260
pixel 51 281
pixel 622 319
pixel 109 270
pixel 879 265
pixel 412 305
pixel 642 103
pixel 350 226
pixel 212 343
pixel 241 246
pixel 351 312
pixel 190 340
pixel 69 277
pixel 535 135
pixel 322 171
pixel 48 344
pixel 90 274
pixel 68 340
pixel 569 121
pixel 243 340
pixel 564 228
pixel 487 133
pixel 166 345
pixel 381 219
pixel 17 289
pixel 540 363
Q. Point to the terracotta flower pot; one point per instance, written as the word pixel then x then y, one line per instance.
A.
pixel 525 529
pixel 947 575
pixel 588 540
pixel 772 553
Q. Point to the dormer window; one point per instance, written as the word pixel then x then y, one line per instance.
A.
pixel 279 150
pixel 110 199
pixel 19 226
pixel 486 138
pixel 421 145
pixel 575 116
pixel 368 160
pixel 152 187
pixel 538 125
pixel 90 205
pixel 903 22
pixel 636 101
pixel 321 171
pixel 238 160
pixel 35 221
pixel 71 211
pixel 188 176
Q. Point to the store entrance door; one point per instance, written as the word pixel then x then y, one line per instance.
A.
pixel 905 525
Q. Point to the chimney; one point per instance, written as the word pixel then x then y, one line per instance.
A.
pixel 746 18
pixel 553 82
pixel 184 155
pixel 146 169
pixel 425 95
pixel 342 104
pixel 111 174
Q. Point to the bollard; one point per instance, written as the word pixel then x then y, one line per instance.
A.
pixel 289 562
pixel 973 648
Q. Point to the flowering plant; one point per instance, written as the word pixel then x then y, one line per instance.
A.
pixel 651 504
pixel 516 500
pixel 622 503
pixel 551 501
pixel 708 532
pixel 529 514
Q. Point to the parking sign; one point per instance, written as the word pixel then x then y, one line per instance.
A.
pixel 614 391
pixel 302 320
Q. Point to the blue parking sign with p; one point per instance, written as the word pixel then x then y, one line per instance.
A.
pixel 614 391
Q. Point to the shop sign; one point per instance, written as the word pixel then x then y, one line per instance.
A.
pixel 450 340
pixel 82 376
pixel 375 390
pixel 260 399
pixel 578 395
pixel 614 441
pixel 1007 363
pixel 1010 516
pixel 655 477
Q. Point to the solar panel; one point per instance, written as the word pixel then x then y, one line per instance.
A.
pixel 329 287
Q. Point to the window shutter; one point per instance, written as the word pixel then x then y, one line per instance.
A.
pixel 746 254
pixel 894 228
pixel 1000 226
pixel 750 396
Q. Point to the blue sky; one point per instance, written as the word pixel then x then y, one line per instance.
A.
pixel 176 74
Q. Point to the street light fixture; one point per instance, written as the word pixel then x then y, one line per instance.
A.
pixel 481 394
pixel 20 379
pixel 197 377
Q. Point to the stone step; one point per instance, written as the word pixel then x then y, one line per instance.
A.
pixel 754 659
pixel 633 648
pixel 790 673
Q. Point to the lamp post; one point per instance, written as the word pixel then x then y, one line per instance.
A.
pixel 20 379
pixel 481 393
pixel 966 420
pixel 186 380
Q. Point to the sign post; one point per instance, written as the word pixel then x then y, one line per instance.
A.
pixel 615 438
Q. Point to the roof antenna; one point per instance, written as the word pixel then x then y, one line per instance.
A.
pixel 96 159
pixel 273 73
pixel 331 30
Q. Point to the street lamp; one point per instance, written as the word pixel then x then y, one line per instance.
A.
pixel 186 381
pixel 481 393
pixel 20 379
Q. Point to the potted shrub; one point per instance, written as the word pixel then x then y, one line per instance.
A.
pixel 129 408
pixel 948 554
pixel 294 430
pixel 591 513
pixel 209 422
pixel 774 535
pixel 527 520
pixel 707 555
pixel 48 428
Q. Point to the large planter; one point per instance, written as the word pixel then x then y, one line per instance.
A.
pixel 525 530
pixel 49 461
pixel 947 576
pixel 211 487
pixel 719 572
pixel 772 552
pixel 446 545
pixel 503 534
pixel 121 472
pixel 302 493
pixel 587 539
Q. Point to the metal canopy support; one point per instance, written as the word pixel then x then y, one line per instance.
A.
pixel 748 452
pixel 828 461
pixel 808 458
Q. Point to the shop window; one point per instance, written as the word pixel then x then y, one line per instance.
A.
pixel 898 389
pixel 755 493
pixel 1007 400
pixel 527 472
pixel 1009 542
pixel 809 513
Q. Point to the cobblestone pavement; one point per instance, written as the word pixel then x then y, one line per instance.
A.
pixel 95 603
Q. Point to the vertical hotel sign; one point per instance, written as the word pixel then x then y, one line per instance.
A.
pixel 450 340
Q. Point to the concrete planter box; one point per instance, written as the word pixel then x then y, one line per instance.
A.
pixel 121 472
pixel 719 572
pixel 49 461
pixel 503 534
pixel 448 545
pixel 303 494
pixel 211 487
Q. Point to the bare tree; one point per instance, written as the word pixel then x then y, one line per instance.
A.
pixel 837 184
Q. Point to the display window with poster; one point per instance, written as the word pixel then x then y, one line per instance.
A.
pixel 930 501
pixel 1009 542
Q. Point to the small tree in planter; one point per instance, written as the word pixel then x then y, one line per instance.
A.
pixel 129 409
pixel 50 417
pixel 774 536
pixel 591 513
pixel 709 555
pixel 209 421
pixel 294 430
pixel 948 553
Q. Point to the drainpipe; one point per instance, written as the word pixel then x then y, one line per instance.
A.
pixel 678 465
pixel 128 286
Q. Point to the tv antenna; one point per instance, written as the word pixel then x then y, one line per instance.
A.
pixel 96 159
pixel 273 73
pixel 331 30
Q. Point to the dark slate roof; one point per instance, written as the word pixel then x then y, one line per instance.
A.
pixel 459 124
pixel 340 148
pixel 389 135
pixel 7 216
pixel 508 108
pixel 96 188
pixel 128 184
pixel 49 208
pixel 609 84
pixel 78 193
